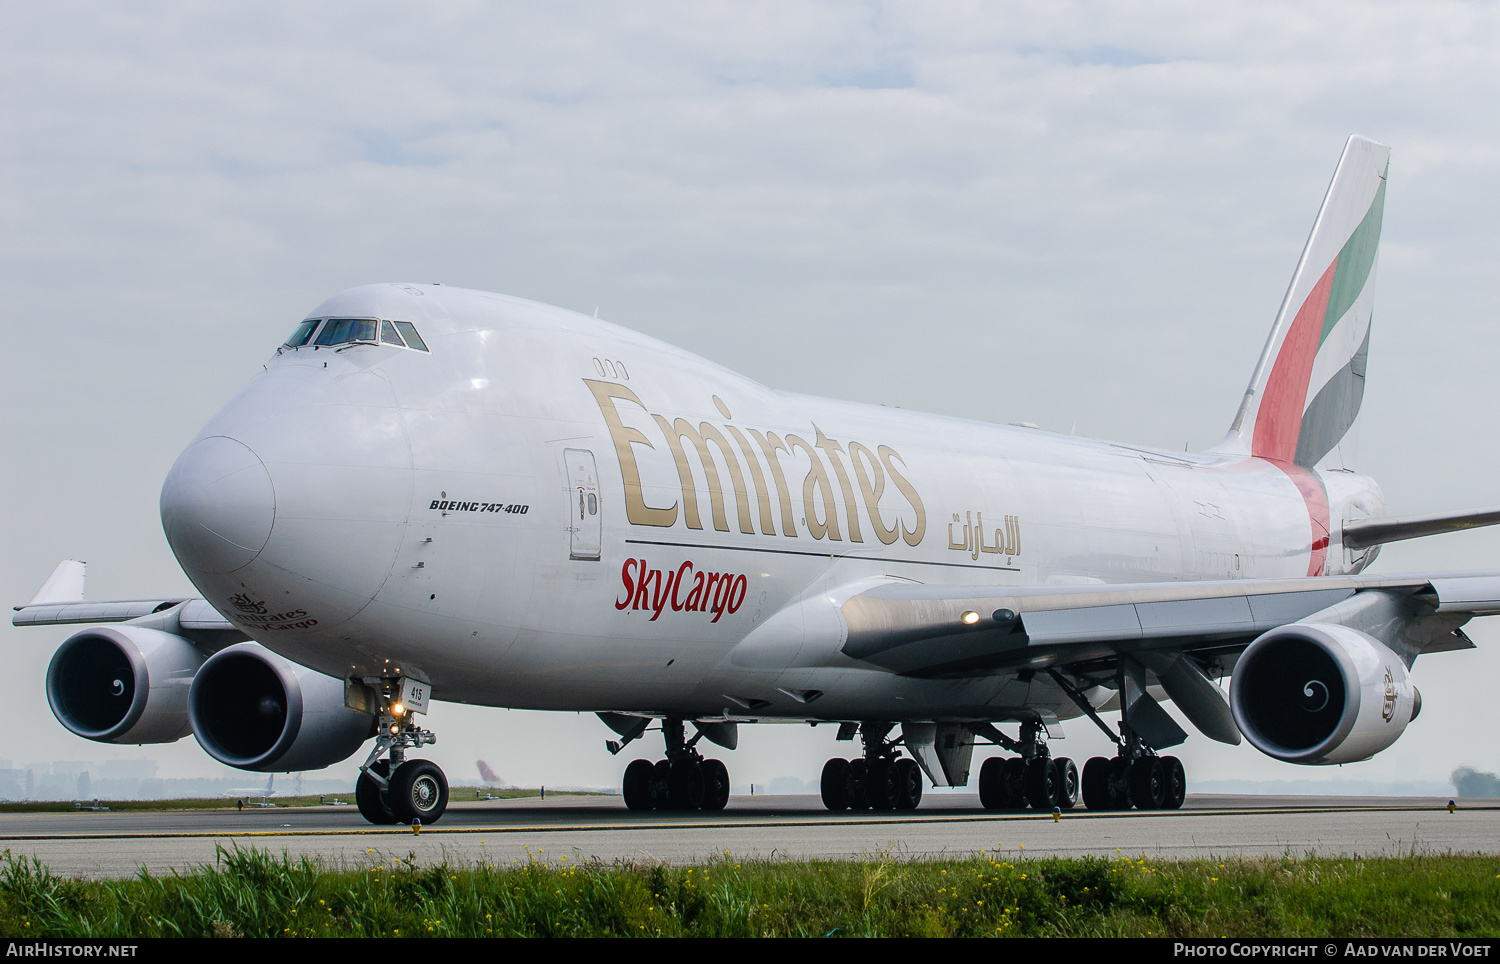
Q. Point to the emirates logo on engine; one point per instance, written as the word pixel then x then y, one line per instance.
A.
pixel 1388 711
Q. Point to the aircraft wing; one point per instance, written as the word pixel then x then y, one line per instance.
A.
pixel 194 614
pixel 60 602
pixel 927 631
pixel 1175 634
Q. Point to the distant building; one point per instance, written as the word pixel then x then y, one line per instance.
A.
pixel 12 783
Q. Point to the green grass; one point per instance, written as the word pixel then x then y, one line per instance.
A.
pixel 251 893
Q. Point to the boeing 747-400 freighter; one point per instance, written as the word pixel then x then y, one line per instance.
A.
pixel 435 493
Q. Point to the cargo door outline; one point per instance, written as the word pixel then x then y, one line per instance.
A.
pixel 585 522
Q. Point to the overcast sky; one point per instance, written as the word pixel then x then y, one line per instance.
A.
pixel 1081 215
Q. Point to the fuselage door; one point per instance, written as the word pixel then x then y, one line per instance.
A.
pixel 583 498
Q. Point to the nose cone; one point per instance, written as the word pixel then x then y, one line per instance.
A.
pixel 217 506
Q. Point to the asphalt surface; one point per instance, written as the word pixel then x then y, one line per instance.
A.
pixel 568 829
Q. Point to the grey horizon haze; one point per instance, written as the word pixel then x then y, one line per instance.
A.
pixel 1075 214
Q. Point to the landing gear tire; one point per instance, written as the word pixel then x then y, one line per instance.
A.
pixel 992 784
pixel 370 798
pixel 661 785
pixel 418 791
pixel 636 787
pixel 715 784
pixel 1174 779
pixel 1013 781
pixel 685 785
pixel 1119 783
pixel 855 787
pixel 1041 784
pixel 1095 784
pixel 880 784
pixel 1066 773
pixel 835 784
pixel 908 780
pixel 1148 789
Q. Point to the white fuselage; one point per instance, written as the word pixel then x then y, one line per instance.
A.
pixel 441 512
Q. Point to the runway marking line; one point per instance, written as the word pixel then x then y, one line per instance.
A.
pixel 723 825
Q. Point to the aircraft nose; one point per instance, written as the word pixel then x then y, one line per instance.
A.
pixel 217 506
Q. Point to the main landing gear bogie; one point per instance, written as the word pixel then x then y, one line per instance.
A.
pixel 685 780
pixel 688 784
pixel 1042 783
pixel 1144 783
pixel 871 785
pixel 882 779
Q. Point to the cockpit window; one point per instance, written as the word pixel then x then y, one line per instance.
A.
pixel 304 331
pixel 409 332
pixel 341 332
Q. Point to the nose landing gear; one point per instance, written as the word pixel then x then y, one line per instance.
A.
pixel 398 790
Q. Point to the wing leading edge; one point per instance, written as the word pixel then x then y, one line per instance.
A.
pixel 949 631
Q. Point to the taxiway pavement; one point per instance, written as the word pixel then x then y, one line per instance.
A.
pixel 564 828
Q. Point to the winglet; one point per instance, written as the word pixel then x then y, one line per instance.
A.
pixel 65 585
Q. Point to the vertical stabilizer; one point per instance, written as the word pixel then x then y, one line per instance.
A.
pixel 1305 395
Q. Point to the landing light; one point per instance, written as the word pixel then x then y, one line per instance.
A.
pixel 969 618
pixel 397 709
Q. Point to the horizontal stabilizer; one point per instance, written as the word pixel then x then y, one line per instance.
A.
pixel 1361 535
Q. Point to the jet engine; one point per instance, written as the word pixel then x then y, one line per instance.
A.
pixel 1320 693
pixel 253 710
pixel 123 684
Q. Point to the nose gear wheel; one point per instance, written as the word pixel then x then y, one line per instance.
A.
pixel 418 791
pixel 369 796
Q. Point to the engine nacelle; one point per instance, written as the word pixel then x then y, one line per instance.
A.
pixel 123 684
pixel 1321 693
pixel 254 710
